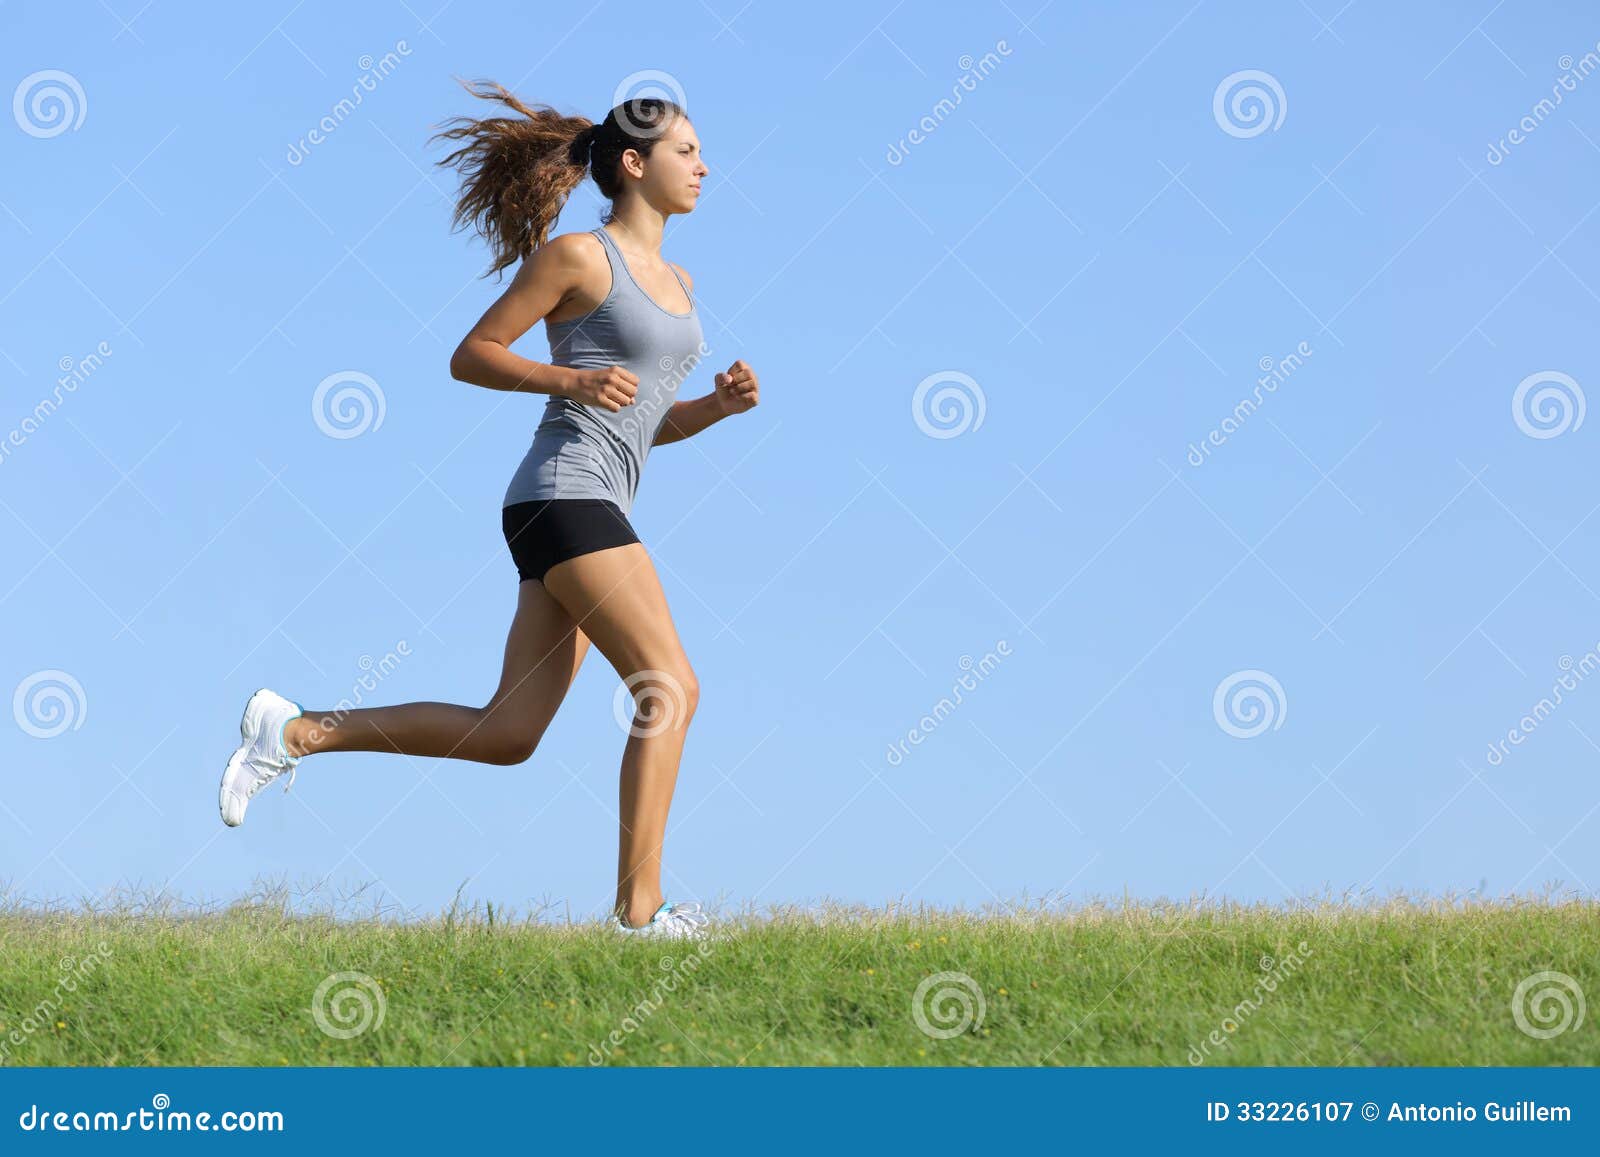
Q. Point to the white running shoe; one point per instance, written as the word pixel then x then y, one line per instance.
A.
pixel 671 922
pixel 261 757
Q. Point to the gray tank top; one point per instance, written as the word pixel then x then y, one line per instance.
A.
pixel 582 451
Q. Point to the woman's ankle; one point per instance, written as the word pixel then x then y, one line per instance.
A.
pixel 296 735
pixel 635 911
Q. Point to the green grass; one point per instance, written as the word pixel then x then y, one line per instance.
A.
pixel 1394 983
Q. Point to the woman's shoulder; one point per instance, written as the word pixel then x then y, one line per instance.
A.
pixel 577 269
pixel 567 259
pixel 577 244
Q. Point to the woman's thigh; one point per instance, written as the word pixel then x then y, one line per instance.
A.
pixel 614 596
pixel 544 650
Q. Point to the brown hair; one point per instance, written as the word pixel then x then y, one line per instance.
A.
pixel 518 171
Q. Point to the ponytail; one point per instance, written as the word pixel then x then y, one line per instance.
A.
pixel 518 171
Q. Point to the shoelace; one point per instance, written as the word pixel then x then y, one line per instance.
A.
pixel 688 915
pixel 258 784
pixel 293 764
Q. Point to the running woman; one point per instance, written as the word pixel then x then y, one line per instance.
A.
pixel 624 332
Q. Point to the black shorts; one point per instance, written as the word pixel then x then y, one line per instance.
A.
pixel 543 533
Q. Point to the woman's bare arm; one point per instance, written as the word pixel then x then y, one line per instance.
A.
pixel 688 418
pixel 484 357
pixel 542 282
pixel 737 390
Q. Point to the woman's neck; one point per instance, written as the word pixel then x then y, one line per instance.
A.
pixel 642 229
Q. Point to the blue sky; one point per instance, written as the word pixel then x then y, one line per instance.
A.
pixel 986 354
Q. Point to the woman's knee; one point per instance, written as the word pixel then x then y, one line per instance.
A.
pixel 665 696
pixel 691 688
pixel 512 750
pixel 505 741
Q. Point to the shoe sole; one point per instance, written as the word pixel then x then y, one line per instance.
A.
pixel 222 791
pixel 246 737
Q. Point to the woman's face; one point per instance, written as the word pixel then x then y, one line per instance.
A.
pixel 671 175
